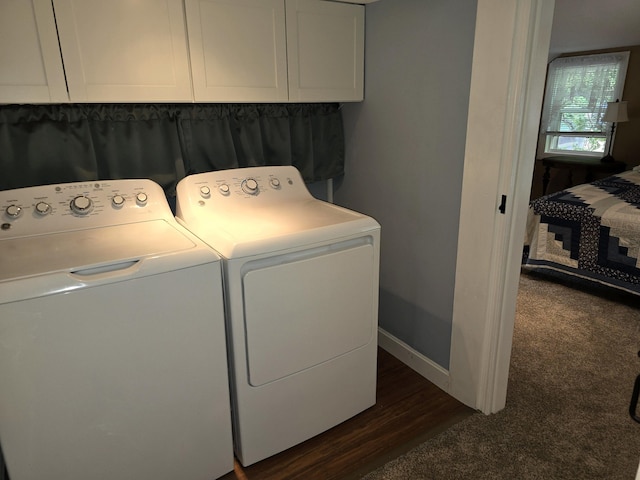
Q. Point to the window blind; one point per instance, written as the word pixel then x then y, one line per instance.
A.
pixel 578 89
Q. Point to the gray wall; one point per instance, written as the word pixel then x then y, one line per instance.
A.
pixel 404 159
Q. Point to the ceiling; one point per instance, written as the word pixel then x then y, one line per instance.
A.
pixel 582 25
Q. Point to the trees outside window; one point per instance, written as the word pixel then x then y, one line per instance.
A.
pixel 577 92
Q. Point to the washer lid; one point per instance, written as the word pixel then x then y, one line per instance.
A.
pixel 89 248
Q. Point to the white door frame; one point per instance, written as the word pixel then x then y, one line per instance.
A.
pixel 507 82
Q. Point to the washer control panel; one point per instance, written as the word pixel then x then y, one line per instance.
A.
pixel 68 206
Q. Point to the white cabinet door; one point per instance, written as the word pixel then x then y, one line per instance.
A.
pixel 238 50
pixel 124 51
pixel 325 48
pixel 30 64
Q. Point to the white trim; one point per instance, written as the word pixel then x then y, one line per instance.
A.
pixel 414 359
pixel 530 94
pixel 510 51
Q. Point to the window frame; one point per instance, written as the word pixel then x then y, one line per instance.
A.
pixel 548 138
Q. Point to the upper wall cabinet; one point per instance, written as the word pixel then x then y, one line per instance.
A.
pixel 325 48
pixel 276 50
pixel 30 64
pixel 113 51
pixel 124 51
pixel 238 50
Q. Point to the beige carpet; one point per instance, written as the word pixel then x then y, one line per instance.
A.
pixel 574 361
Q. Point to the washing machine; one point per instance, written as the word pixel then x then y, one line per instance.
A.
pixel 113 360
pixel 301 293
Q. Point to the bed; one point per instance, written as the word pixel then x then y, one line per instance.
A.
pixel 591 231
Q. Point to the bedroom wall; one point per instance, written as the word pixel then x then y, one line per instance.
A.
pixel 626 146
pixel 404 159
pixel 627 142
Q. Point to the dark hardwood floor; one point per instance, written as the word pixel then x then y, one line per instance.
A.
pixel 409 409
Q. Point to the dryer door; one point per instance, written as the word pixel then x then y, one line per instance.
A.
pixel 305 308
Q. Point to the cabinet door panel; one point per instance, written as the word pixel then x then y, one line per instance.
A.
pixel 238 50
pixel 30 63
pixel 123 51
pixel 325 47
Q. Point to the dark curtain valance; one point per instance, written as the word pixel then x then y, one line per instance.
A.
pixel 45 144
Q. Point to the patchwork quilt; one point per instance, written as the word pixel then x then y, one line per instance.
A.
pixel 590 230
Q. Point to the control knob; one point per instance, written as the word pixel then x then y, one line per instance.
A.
pixel 275 183
pixel 117 201
pixel 43 208
pixel 250 186
pixel 205 191
pixel 141 198
pixel 224 189
pixel 13 211
pixel 81 205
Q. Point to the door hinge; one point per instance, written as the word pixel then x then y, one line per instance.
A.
pixel 503 204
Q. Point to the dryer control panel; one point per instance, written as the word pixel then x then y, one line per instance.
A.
pixel 262 185
pixel 69 206
pixel 251 210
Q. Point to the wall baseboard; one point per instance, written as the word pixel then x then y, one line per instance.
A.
pixel 414 359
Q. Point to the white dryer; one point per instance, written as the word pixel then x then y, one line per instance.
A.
pixel 113 359
pixel 301 286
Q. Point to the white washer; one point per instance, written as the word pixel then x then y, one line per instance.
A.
pixel 113 359
pixel 301 286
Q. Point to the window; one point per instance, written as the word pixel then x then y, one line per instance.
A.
pixel 577 92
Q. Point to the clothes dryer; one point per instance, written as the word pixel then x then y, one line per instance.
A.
pixel 301 292
pixel 113 357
